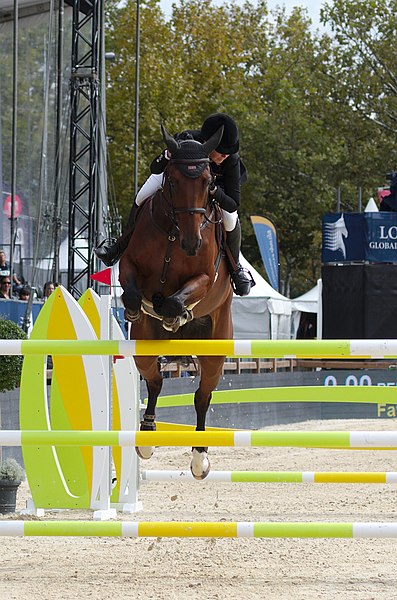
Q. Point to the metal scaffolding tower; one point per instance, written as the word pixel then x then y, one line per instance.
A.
pixel 87 54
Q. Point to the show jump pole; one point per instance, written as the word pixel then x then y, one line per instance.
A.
pixel 374 440
pixel 363 349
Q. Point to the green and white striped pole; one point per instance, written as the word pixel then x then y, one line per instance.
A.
pixel 195 529
pixel 363 349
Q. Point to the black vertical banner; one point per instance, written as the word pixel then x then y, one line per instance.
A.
pixel 359 301
pixel 343 301
pixel 380 293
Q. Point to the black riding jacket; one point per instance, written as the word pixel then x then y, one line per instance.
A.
pixel 228 176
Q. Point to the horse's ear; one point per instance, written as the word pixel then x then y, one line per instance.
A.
pixel 171 143
pixel 214 141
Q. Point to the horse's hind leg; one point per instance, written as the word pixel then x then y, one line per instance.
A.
pixel 149 368
pixel 211 369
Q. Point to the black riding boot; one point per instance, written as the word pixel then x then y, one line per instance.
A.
pixel 110 254
pixel 242 280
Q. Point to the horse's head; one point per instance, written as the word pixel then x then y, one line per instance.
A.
pixel 188 178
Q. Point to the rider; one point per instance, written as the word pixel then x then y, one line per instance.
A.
pixel 228 172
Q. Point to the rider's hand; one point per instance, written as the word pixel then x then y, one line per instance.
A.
pixel 212 189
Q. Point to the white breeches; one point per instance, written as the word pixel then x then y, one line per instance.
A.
pixel 150 187
pixel 229 219
pixel 154 183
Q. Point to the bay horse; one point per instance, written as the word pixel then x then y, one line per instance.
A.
pixel 175 278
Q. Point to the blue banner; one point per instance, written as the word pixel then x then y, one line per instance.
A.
pixel 358 237
pixel 266 235
pixel 15 310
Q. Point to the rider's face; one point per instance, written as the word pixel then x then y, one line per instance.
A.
pixel 218 158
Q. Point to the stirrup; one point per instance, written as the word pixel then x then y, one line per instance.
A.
pixel 108 254
pixel 107 242
pixel 244 283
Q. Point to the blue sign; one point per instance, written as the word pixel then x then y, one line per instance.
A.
pixel 360 237
pixel 381 237
pixel 266 236
pixel 15 310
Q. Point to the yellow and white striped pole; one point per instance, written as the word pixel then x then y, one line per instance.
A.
pixel 196 529
pixel 375 440
pixel 274 476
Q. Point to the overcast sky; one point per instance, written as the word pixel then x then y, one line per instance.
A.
pixel 312 6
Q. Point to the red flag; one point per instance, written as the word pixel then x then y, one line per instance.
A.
pixel 104 276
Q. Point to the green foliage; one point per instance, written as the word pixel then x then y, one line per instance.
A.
pixel 315 110
pixel 10 366
pixel 364 58
pixel 11 470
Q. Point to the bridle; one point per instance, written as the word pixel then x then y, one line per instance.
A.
pixel 166 192
pixel 185 209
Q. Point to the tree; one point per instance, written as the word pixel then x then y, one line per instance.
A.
pixel 305 129
pixel 365 54
pixel 286 146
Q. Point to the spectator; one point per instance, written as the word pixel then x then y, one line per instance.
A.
pixel 4 266
pixel 5 270
pixel 49 287
pixel 24 293
pixel 388 197
pixel 5 286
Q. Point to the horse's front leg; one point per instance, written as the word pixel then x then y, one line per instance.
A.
pixel 200 464
pixel 211 369
pixel 193 290
pixel 149 368
pixel 131 297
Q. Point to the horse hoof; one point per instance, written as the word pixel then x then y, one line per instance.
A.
pixel 172 324
pixel 144 452
pixel 200 465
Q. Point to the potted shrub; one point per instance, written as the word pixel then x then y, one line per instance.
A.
pixel 10 366
pixel 11 472
pixel 11 475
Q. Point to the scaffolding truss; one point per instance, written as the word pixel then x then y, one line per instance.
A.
pixel 85 93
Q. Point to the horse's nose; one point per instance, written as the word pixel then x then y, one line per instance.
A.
pixel 191 248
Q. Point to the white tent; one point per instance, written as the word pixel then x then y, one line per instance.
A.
pixel 309 302
pixel 264 313
pixel 371 206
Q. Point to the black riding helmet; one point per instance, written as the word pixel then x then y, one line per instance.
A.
pixel 230 139
pixel 191 156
